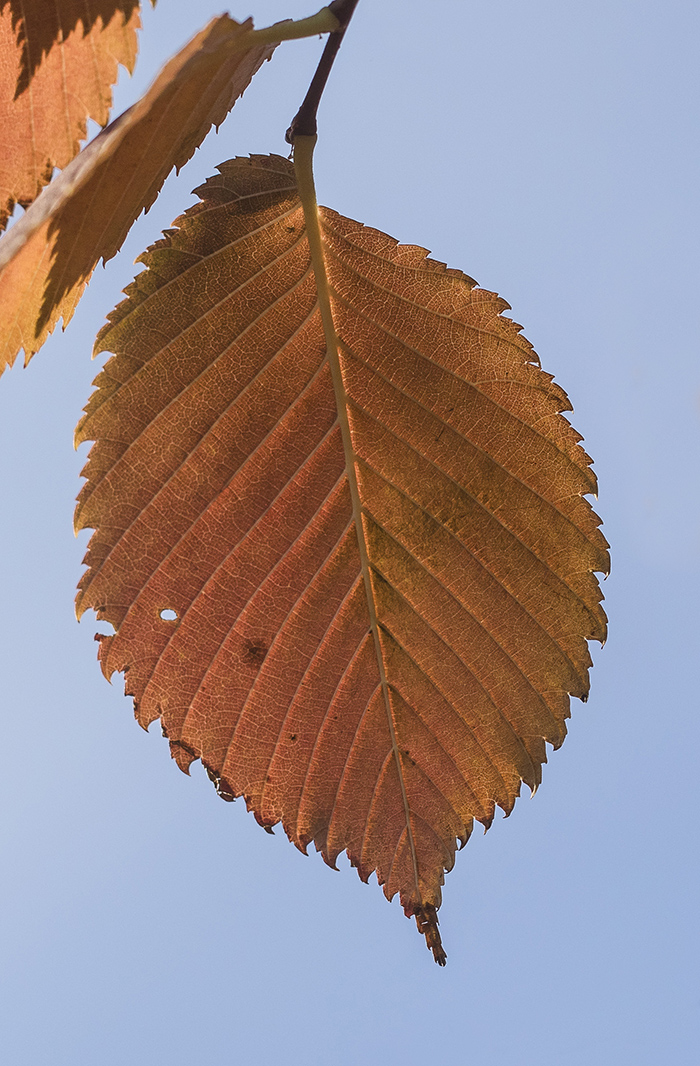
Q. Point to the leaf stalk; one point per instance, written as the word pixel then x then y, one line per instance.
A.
pixel 324 21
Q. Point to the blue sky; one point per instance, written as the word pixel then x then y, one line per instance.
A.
pixel 550 151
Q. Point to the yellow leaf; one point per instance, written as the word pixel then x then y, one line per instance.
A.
pixel 46 259
pixel 58 62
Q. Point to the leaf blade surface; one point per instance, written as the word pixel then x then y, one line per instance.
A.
pixel 47 258
pixel 58 63
pixel 219 489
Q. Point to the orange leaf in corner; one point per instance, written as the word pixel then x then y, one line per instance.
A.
pixel 58 62
pixel 47 257
pixel 374 668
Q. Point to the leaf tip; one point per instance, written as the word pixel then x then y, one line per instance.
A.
pixel 427 922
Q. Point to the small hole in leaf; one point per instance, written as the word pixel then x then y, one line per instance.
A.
pixel 168 615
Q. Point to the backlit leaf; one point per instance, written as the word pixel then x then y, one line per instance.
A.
pixel 47 258
pixel 371 648
pixel 58 62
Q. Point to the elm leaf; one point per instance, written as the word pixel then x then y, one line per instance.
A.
pixel 48 256
pixel 371 645
pixel 58 62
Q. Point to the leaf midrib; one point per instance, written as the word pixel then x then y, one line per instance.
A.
pixel 303 152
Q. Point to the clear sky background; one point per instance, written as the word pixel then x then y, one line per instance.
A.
pixel 550 150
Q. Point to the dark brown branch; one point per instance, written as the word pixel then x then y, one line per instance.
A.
pixel 304 122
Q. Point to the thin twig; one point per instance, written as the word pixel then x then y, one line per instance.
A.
pixel 304 122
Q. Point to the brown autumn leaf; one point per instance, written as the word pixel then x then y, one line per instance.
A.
pixel 58 62
pixel 48 256
pixel 371 649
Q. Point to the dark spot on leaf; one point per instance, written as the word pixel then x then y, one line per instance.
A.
pixel 254 652
pixel 225 791
pixel 292 736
